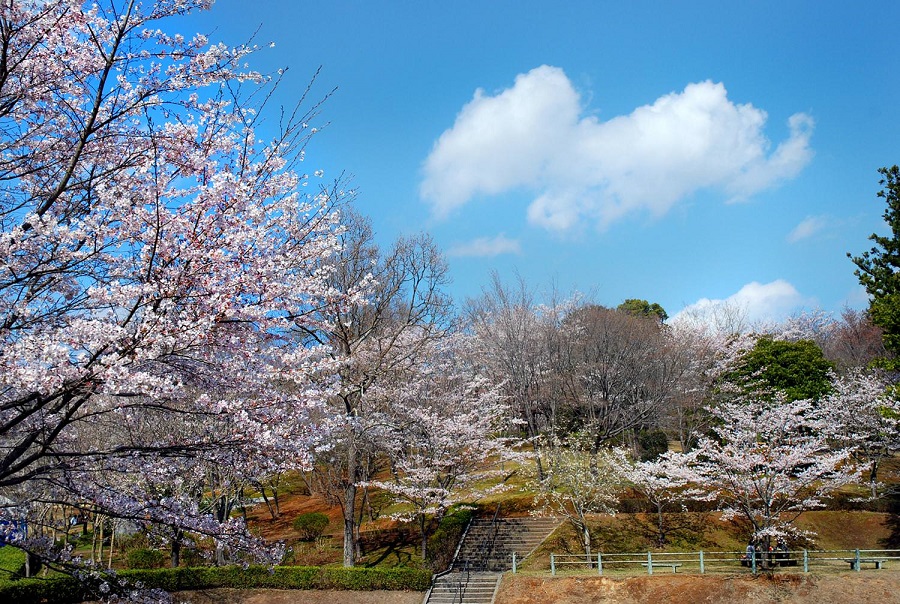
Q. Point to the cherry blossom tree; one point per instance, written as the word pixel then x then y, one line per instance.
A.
pixel 154 246
pixel 866 418
pixel 663 482
pixel 579 482
pixel 769 459
pixel 444 432
pixel 399 308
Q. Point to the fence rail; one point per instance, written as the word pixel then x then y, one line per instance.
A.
pixel 724 561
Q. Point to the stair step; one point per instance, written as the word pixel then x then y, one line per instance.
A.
pixel 488 547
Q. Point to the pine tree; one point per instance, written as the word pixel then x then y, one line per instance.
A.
pixel 878 269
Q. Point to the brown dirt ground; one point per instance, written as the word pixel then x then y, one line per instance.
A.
pixel 280 596
pixel 883 587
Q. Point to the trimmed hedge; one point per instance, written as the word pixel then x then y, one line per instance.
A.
pixel 67 589
pixel 36 591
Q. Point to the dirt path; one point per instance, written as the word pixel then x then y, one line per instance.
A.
pixel 880 587
pixel 297 596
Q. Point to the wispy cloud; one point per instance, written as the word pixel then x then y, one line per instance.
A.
pixel 486 246
pixel 535 135
pixel 808 227
pixel 753 304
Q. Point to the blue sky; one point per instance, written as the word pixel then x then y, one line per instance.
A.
pixel 677 152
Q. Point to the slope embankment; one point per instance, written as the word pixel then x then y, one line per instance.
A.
pixel 845 588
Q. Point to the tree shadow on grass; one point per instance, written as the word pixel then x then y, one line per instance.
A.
pixel 892 523
pixel 681 529
pixel 395 547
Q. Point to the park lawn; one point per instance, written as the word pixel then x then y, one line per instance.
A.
pixel 11 561
pixel 631 533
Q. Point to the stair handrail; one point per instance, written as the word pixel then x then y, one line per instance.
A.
pixel 461 585
pixel 459 544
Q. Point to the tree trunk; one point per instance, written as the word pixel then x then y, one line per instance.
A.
pixel 94 540
pixel 100 540
pixel 177 534
pixel 586 541
pixel 359 520
pixel 176 553
pixel 269 505
pixel 32 564
pixel 873 478
pixel 767 542
pixel 424 537
pixel 533 433
pixel 661 539
pixel 540 466
pixel 112 543
pixel 349 524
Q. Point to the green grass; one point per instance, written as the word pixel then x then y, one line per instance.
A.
pixel 11 561
pixel 629 533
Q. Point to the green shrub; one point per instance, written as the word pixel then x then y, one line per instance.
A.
pixel 442 543
pixel 653 443
pixel 145 558
pixel 57 590
pixel 311 525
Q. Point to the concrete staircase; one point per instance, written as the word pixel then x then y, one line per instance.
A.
pixel 489 546
pixel 464 588
pixel 484 554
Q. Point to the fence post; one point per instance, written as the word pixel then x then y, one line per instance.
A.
pixel 753 561
pixel 599 563
pixel 552 565
pixel 857 560
pixel 702 569
pixel 649 563
pixel 805 561
pixel 514 563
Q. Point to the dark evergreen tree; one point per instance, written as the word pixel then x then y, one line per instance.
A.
pixel 878 269
pixel 798 369
pixel 643 308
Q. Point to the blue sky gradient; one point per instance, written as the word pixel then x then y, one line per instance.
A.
pixel 622 149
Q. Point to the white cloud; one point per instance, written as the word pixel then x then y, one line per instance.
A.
pixel 535 135
pixel 485 246
pixel 808 227
pixel 755 303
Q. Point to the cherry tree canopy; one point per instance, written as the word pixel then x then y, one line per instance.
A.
pixel 442 430
pixel 154 252
pixel 768 460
